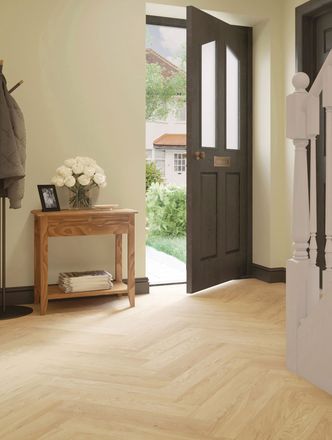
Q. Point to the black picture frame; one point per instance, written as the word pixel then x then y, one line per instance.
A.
pixel 48 198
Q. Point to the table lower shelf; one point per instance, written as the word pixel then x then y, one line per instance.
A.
pixel 54 292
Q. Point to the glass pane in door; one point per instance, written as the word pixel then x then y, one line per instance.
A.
pixel 232 100
pixel 208 95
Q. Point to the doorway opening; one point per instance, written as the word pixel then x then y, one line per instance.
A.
pixel 166 144
pixel 211 143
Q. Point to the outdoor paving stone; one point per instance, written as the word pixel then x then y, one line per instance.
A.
pixel 163 268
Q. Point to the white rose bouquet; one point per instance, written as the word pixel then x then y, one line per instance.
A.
pixel 79 175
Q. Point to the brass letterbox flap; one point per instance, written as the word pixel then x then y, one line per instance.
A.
pixel 222 161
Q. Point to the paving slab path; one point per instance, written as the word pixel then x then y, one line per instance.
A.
pixel 163 268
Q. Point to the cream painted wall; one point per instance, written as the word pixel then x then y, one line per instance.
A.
pixel 84 70
pixel 289 46
pixel 262 199
pixel 83 64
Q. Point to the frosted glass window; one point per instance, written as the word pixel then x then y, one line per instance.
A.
pixel 208 121
pixel 232 101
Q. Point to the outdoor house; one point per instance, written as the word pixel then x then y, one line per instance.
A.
pixel 170 157
pixel 166 139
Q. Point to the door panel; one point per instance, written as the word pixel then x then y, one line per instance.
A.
pixel 233 212
pixel 209 214
pixel 219 150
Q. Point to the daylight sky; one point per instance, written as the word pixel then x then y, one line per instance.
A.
pixel 168 41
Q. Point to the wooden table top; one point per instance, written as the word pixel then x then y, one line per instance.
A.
pixel 79 212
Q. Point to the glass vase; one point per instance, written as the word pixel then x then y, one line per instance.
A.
pixel 79 197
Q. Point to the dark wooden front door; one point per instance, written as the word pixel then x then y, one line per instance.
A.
pixel 219 150
pixel 313 43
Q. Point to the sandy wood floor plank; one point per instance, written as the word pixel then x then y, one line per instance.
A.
pixel 208 366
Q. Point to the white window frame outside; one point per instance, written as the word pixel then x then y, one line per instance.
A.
pixel 179 162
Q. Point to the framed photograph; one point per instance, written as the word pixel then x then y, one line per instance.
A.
pixel 48 197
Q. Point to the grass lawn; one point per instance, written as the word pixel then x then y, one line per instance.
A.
pixel 175 246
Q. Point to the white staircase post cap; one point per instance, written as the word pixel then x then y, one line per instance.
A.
pixel 300 81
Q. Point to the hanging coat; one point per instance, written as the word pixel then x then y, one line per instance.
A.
pixel 12 147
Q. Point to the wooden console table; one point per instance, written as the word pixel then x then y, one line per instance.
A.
pixel 83 222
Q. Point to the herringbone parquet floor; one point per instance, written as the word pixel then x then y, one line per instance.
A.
pixel 177 367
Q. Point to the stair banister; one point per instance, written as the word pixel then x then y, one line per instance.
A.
pixel 327 104
pixel 317 85
pixel 297 266
pixel 297 131
pixel 308 313
pixel 313 113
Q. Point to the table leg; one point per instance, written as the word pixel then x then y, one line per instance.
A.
pixel 43 264
pixel 118 257
pixel 36 264
pixel 131 261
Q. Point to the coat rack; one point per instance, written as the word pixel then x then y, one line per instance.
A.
pixel 7 312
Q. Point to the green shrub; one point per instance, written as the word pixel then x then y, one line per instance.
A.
pixel 166 210
pixel 153 175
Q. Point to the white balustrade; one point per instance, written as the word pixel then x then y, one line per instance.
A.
pixel 297 130
pixel 313 202
pixel 313 292
pixel 327 103
pixel 297 267
pixel 309 314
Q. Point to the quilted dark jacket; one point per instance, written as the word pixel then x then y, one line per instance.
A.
pixel 12 147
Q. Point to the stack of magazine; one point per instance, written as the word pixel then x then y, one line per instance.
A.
pixel 85 281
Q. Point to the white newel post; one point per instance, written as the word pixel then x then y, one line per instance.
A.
pixel 297 266
pixel 327 103
pixel 313 292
